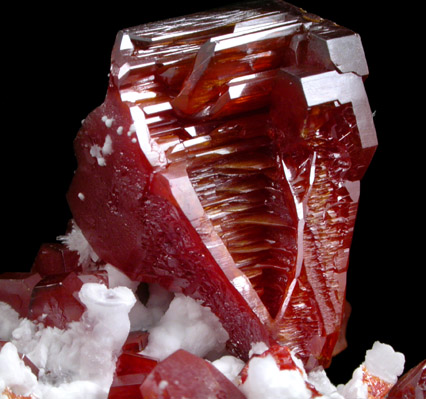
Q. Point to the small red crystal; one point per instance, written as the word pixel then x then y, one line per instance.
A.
pixel 131 371
pixel 54 300
pixel 185 375
pixel 16 290
pixel 284 360
pixel 55 258
pixel 136 341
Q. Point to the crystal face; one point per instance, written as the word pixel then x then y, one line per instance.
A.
pixel 185 375
pixel 227 157
pixel 411 385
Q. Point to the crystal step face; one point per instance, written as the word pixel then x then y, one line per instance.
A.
pixel 225 164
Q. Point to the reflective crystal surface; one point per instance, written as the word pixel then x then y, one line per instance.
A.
pixel 411 385
pixel 185 375
pixel 225 164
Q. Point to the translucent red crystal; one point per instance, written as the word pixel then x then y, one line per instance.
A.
pixel 16 290
pixel 225 164
pixel 54 300
pixel 136 341
pixel 185 375
pixel 131 371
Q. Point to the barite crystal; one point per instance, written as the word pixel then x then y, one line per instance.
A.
pixel 225 164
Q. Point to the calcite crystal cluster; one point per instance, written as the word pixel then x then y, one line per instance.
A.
pixel 224 166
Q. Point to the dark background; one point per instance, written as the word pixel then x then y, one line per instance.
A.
pixel 55 64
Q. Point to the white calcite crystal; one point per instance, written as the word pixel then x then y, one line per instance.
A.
pixel 266 381
pixel 230 367
pixel 142 317
pixel 186 325
pixel 79 362
pixel 319 379
pixel 14 374
pixel 381 362
pixel 75 241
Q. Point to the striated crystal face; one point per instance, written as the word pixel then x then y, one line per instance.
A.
pixel 225 164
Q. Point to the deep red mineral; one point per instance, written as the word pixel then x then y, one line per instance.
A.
pixel 412 385
pixel 225 164
pixel 185 375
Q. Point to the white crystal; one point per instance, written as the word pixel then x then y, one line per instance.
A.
pixel 186 325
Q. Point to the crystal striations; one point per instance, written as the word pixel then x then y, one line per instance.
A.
pixel 225 164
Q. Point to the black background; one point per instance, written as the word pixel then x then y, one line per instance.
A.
pixel 55 64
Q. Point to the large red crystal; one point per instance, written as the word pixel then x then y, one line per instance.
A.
pixel 225 164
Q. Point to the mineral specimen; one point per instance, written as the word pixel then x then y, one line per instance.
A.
pixel 225 164
pixel 222 169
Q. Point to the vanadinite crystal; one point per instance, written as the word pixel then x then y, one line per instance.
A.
pixel 225 164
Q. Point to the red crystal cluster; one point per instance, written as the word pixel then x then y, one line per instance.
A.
pixel 224 164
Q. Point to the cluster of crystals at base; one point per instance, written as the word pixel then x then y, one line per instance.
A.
pixel 180 374
pixel 225 164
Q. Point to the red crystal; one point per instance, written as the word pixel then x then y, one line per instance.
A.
pixel 133 363
pixel 131 367
pixel 55 302
pixel 16 289
pixel 49 293
pixel 225 164
pixel 136 341
pixel 185 375
pixel 55 258
pixel 412 385
pixel 131 371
